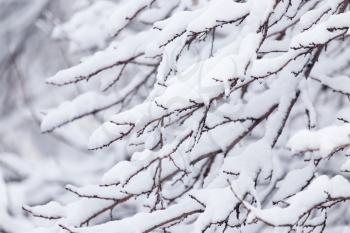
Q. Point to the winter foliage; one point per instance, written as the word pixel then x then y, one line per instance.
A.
pixel 226 116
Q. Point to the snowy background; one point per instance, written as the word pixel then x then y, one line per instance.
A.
pixel 35 167
pixel 128 116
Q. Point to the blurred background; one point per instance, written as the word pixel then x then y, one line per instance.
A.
pixel 34 167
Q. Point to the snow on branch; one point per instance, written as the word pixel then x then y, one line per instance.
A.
pixel 214 100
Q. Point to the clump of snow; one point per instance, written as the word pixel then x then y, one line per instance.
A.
pixel 325 140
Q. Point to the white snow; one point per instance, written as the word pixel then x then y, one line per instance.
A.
pixel 325 140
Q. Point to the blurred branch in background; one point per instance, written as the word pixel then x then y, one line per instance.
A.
pixel 33 166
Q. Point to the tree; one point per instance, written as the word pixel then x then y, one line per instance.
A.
pixel 224 109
